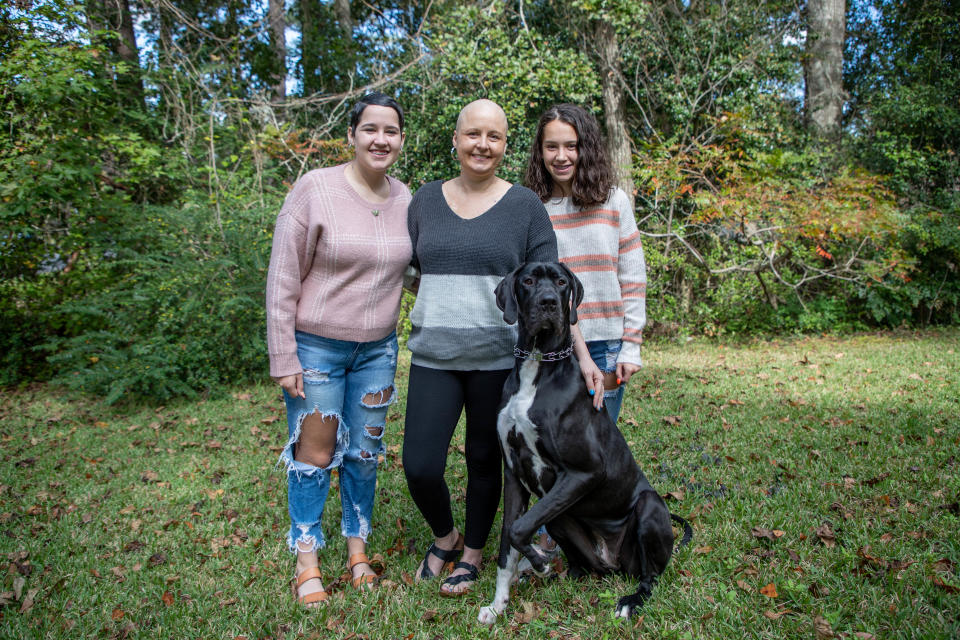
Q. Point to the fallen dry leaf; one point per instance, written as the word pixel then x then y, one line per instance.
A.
pixel 822 628
pixel 529 613
pixel 167 598
pixel 27 603
pixel 949 588
pixel 943 565
pixel 775 615
pixel 770 590
pixel 879 478
pixel 133 545
pixel 769 534
pixel 429 614
pixel 116 614
pixel 826 536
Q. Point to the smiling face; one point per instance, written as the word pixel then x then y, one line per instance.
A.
pixel 560 155
pixel 480 138
pixel 377 139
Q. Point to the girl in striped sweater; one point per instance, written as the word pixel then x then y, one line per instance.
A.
pixel 597 238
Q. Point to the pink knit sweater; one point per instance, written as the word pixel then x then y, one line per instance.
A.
pixel 336 268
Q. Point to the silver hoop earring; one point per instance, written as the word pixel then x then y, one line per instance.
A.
pixel 453 152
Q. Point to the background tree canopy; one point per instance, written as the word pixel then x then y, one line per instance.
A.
pixel 793 164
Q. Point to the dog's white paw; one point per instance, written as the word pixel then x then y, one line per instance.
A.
pixel 624 611
pixel 487 616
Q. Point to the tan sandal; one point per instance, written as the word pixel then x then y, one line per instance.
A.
pixel 310 598
pixel 365 579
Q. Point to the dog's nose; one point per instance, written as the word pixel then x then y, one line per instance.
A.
pixel 549 302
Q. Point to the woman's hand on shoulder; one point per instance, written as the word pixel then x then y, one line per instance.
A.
pixel 594 379
pixel 292 384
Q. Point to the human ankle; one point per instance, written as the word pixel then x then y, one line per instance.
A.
pixel 306 560
pixel 448 541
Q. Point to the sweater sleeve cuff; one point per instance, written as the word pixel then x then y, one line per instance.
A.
pixel 630 352
pixel 284 364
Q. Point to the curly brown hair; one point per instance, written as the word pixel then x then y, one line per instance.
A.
pixel 593 177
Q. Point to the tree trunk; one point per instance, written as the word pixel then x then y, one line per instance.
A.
pixel 114 15
pixel 309 45
pixel 615 119
pixel 342 10
pixel 278 45
pixel 823 66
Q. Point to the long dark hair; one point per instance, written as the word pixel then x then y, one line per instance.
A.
pixel 375 98
pixel 593 177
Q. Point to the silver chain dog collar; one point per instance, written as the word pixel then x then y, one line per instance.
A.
pixel 553 356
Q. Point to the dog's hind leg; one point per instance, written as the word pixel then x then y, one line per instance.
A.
pixel 654 548
pixel 627 605
pixel 578 546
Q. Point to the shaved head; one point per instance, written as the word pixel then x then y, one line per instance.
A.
pixel 482 108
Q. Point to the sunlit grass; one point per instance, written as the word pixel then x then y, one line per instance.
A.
pixel 825 467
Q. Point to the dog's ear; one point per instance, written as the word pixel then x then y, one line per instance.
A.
pixel 576 292
pixel 507 297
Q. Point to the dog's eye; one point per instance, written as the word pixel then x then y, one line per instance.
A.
pixel 528 281
pixel 561 282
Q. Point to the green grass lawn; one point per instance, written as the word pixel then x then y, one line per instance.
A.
pixel 820 476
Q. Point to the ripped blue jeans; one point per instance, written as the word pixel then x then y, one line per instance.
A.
pixel 604 354
pixel 338 379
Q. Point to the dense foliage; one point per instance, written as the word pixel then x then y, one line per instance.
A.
pixel 137 200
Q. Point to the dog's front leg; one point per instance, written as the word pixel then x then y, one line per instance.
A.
pixel 515 501
pixel 505 575
pixel 566 491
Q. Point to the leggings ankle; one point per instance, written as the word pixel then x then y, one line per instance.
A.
pixel 435 398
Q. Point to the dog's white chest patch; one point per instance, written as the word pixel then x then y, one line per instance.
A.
pixel 515 416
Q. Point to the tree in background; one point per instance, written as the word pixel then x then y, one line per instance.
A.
pixel 277 16
pixel 903 77
pixel 823 67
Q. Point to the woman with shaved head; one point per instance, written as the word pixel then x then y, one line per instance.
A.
pixel 467 233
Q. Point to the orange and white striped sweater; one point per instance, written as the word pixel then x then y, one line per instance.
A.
pixel 601 245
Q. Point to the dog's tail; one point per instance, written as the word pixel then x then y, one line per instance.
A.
pixel 687 531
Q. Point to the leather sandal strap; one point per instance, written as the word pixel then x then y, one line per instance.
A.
pixel 447 555
pixel 310 598
pixel 307 574
pixel 364 579
pixel 358 558
pixel 472 575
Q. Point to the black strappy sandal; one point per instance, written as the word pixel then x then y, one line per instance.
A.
pixel 449 556
pixel 472 575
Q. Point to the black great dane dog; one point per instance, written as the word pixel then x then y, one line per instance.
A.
pixel 593 498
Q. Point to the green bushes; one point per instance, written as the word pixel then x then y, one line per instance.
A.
pixel 167 306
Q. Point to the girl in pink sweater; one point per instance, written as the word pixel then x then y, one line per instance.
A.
pixel 340 247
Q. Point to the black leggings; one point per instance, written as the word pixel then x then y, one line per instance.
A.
pixel 435 398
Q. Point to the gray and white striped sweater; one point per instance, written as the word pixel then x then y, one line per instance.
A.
pixel 455 321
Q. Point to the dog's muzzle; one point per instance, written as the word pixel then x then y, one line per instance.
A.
pixel 546 313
